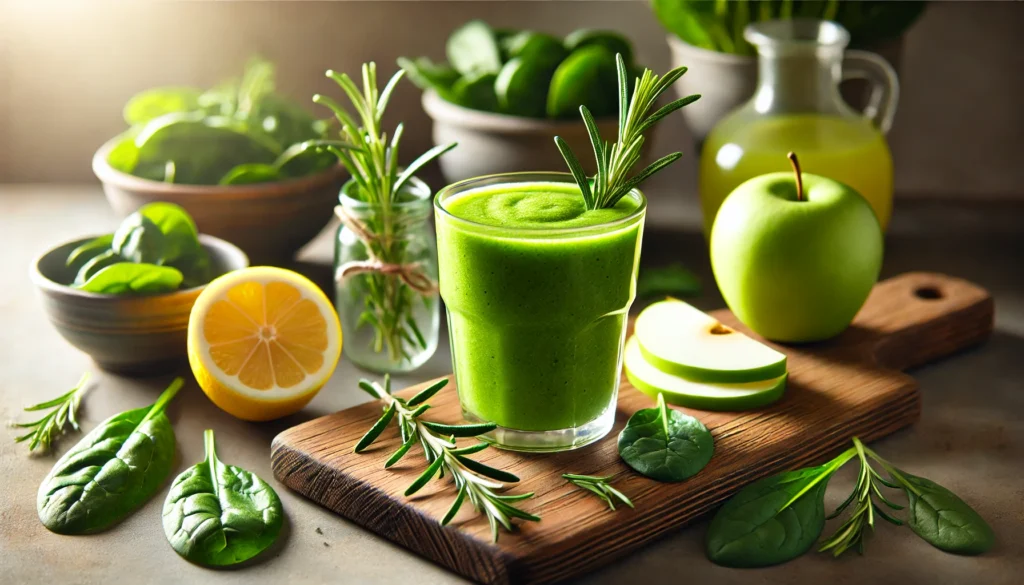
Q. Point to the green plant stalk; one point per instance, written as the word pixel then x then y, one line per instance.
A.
pixel 473 480
pixel 390 299
pixel 599 487
pixel 851 533
pixel 615 161
pixel 373 164
pixel 48 428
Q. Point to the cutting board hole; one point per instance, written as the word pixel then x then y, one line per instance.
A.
pixel 928 293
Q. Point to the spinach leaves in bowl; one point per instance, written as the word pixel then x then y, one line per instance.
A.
pixel 526 73
pixel 236 133
pixel 155 250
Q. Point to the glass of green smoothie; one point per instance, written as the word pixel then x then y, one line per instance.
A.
pixel 537 290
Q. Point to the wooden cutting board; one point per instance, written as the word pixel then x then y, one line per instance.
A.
pixel 848 386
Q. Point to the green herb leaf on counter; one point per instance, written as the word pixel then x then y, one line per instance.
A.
pixel 675 281
pixel 938 515
pixel 45 431
pixel 599 487
pixel 867 494
pixel 475 481
pixel 665 444
pixel 219 515
pixel 943 520
pixel 772 520
pixel 615 161
pixel 111 472
pixel 778 518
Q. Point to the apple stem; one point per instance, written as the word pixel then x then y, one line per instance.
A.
pixel 799 179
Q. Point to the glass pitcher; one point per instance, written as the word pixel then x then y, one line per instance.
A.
pixel 797 107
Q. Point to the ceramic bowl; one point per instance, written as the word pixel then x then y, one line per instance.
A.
pixel 136 335
pixel 269 221
pixel 492 143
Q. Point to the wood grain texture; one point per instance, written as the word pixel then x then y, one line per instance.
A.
pixel 838 389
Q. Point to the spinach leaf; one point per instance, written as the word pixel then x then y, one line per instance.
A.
pixel 218 515
pixel 133 278
pixel 665 444
pixel 943 520
pixel 181 237
pixel 247 173
pixel 303 158
pixel 89 250
pixel 772 520
pixel 426 74
pixel 473 49
pixel 154 250
pixel 195 270
pixel 202 147
pixel 153 103
pixel 286 122
pixel 138 239
pixel 95 264
pixel 111 472
pixel 124 156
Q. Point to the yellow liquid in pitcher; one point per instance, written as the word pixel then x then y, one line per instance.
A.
pixel 848 150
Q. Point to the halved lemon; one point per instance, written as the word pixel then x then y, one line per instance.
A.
pixel 262 342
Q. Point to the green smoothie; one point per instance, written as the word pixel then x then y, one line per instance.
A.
pixel 537 290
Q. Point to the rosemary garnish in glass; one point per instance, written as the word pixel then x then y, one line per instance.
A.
pixel 475 481
pixel 614 161
pixel 392 282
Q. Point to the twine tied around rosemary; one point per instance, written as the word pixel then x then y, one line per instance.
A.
pixel 411 273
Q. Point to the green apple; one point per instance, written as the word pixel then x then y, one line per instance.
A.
pixel 795 256
pixel 683 341
pixel 677 390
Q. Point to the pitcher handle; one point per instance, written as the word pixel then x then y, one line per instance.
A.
pixel 885 86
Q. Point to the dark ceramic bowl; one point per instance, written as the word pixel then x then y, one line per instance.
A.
pixel 269 221
pixel 138 335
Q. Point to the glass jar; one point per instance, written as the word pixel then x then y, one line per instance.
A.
pixel 385 261
pixel 537 312
pixel 797 107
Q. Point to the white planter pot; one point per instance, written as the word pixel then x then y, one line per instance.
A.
pixel 723 81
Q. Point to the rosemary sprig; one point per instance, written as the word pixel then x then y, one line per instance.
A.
pixel 867 494
pixel 598 486
pixel 615 161
pixel 474 481
pixel 372 161
pixel 47 429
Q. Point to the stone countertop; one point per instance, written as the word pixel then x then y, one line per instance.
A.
pixel 970 437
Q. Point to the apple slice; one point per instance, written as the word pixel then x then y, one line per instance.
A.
pixel 652 381
pixel 681 340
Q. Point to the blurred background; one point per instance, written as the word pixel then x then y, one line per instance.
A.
pixel 67 68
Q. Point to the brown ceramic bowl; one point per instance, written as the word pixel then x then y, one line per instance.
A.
pixel 139 335
pixel 269 221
